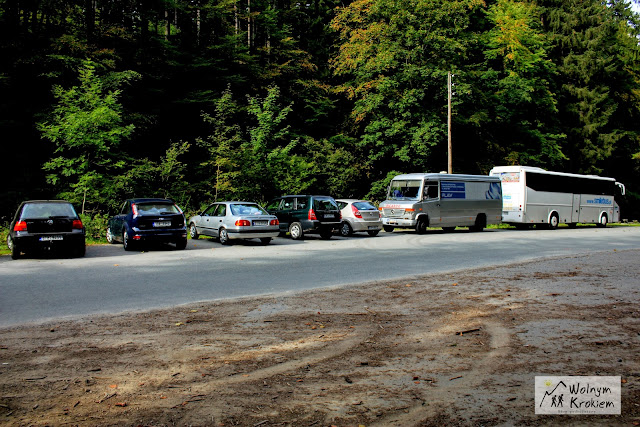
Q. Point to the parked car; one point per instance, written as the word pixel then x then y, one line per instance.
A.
pixel 300 214
pixel 46 225
pixel 359 215
pixel 235 220
pixel 148 221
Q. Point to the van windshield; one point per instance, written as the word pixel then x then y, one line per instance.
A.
pixel 404 189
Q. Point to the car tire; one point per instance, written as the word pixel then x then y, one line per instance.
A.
pixel 326 233
pixel 126 242
pixel 265 240
pixel 421 226
pixel 15 252
pixel 193 231
pixel 295 231
pixel 181 244
pixel 111 239
pixel 80 251
pixel 388 228
pixel 223 236
pixel 345 229
pixel 373 233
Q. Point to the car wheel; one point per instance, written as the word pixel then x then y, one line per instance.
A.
pixel 80 251
pixel 346 230
pixel 603 221
pixel 295 230
pixel 388 228
pixel 265 240
pixel 111 239
pixel 421 226
pixel 223 236
pixel 373 233
pixel 126 242
pixel 193 231
pixel 326 233
pixel 553 221
pixel 15 252
pixel 181 244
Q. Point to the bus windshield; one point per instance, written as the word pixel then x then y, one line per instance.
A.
pixel 404 189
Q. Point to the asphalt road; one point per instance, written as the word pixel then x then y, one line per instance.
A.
pixel 110 280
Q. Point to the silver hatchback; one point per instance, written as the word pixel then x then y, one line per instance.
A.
pixel 359 216
pixel 235 220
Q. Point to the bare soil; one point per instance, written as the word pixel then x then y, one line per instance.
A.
pixel 461 348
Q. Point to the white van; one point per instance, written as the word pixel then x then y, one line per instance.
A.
pixel 421 200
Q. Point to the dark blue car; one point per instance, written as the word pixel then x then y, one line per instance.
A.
pixel 148 221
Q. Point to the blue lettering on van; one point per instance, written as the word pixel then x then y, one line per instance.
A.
pixel 599 201
pixel 452 190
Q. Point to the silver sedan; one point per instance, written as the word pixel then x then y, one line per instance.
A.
pixel 235 220
pixel 359 215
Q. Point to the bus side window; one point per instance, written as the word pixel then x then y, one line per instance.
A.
pixel 431 190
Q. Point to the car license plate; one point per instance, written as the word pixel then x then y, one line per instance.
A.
pixel 162 224
pixel 373 227
pixel 259 222
pixel 329 216
pixel 50 238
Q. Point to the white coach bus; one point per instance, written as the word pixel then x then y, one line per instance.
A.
pixel 533 195
pixel 421 200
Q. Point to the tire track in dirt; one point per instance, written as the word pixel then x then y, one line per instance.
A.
pixel 442 397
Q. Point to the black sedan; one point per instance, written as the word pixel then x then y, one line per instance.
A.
pixel 148 221
pixel 46 225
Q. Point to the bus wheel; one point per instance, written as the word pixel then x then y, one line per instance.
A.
pixel 421 226
pixel 603 221
pixel 554 220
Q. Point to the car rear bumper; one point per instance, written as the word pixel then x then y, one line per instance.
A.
pixel 25 241
pixel 366 225
pixel 248 234
pixel 399 222
pixel 316 226
pixel 167 236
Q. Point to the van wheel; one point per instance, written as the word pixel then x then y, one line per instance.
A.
pixel 553 221
pixel 603 221
pixel 295 230
pixel 346 230
pixel 388 228
pixel 421 226
pixel 481 223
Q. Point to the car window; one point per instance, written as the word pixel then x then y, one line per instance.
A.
pixel 365 206
pixel 342 205
pixel 287 203
pixel 324 205
pixel 126 208
pixel 156 208
pixel 221 210
pixel 210 210
pixel 301 203
pixel 246 209
pixel 47 210
pixel 431 189
pixel 274 205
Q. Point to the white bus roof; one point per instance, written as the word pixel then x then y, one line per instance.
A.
pixel 540 170
pixel 446 176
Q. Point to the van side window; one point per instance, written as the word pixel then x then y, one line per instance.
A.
pixel 431 189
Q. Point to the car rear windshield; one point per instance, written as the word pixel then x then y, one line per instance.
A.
pixel 325 205
pixel 364 206
pixel 48 210
pixel 157 208
pixel 247 209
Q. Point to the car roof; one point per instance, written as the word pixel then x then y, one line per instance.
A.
pixel 45 201
pixel 235 201
pixel 304 195
pixel 144 200
pixel 352 200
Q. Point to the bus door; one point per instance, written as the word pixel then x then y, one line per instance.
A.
pixel 575 212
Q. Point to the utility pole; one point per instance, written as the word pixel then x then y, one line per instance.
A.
pixel 449 157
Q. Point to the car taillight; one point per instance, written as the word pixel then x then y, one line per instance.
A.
pixel 312 215
pixel 274 222
pixel 243 223
pixel 134 209
pixel 356 212
pixel 20 226
pixel 77 224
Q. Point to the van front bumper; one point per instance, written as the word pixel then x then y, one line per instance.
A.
pixel 399 222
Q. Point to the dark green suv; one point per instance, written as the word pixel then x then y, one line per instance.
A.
pixel 300 214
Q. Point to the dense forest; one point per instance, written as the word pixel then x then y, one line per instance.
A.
pixel 203 100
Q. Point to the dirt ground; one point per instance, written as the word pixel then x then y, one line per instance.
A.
pixel 448 349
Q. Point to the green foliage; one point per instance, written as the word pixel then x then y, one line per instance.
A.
pixel 95 226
